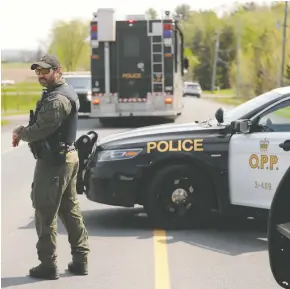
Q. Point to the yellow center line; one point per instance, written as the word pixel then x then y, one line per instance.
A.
pixel 162 277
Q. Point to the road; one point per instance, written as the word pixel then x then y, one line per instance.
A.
pixel 125 252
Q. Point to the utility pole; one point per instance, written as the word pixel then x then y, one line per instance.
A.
pixel 238 57
pixel 284 43
pixel 217 45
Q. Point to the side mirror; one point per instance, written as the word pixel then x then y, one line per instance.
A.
pixel 219 115
pixel 242 126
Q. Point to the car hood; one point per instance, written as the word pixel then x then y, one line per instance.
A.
pixel 155 132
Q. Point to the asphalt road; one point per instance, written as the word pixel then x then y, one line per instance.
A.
pixel 125 252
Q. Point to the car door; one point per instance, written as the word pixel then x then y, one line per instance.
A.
pixel 259 159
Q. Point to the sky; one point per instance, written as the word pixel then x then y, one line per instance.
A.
pixel 24 23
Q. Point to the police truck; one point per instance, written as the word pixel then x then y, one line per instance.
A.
pixel 137 66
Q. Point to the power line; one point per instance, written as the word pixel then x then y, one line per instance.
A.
pixel 238 58
pixel 217 44
pixel 284 44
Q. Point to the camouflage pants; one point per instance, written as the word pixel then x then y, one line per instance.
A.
pixel 54 194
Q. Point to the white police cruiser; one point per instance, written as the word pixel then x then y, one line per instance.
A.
pixel 181 173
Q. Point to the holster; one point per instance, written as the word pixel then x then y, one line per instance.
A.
pixel 54 155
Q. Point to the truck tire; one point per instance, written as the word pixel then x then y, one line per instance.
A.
pixel 177 198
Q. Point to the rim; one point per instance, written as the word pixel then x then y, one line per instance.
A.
pixel 177 196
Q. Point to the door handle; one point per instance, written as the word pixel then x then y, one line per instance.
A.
pixel 285 145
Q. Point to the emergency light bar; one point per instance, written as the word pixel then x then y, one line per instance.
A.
pixel 94 35
pixel 167 34
pixel 94 32
pixel 167 30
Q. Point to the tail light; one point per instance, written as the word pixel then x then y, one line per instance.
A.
pixel 96 101
pixel 168 100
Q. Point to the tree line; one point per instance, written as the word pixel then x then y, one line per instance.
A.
pixel 248 41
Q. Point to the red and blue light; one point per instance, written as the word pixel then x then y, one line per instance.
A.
pixel 94 32
pixel 167 30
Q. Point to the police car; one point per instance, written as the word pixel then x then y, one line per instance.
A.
pixel 181 173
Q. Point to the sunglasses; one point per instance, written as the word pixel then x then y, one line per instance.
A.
pixel 42 71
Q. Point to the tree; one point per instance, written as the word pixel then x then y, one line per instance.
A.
pixel 69 42
pixel 183 11
pixel 260 47
pixel 151 13
pixel 39 53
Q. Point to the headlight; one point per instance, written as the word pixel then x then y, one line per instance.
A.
pixel 117 155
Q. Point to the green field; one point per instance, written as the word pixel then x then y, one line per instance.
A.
pixel 4 122
pixel 18 104
pixel 227 92
pixel 21 87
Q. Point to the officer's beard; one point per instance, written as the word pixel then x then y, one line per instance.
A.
pixel 43 81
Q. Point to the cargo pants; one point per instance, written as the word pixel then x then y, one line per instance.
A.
pixel 54 194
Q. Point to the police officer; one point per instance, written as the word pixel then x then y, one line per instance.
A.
pixel 54 184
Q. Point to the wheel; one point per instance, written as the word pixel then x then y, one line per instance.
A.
pixel 178 198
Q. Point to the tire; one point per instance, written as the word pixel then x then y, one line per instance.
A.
pixel 161 189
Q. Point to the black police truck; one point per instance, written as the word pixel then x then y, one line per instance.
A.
pixel 136 66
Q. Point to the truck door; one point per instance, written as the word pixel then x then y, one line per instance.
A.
pixel 258 161
pixel 133 48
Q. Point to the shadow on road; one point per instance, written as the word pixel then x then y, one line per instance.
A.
pixel 112 222
pixel 7 282
pixel 223 236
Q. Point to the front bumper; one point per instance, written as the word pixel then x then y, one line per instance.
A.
pixel 192 93
pixel 113 183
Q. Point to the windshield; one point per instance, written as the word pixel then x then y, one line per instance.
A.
pixel 192 86
pixel 79 82
pixel 250 105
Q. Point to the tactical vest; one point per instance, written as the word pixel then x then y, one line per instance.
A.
pixel 66 133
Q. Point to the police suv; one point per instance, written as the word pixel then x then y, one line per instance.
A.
pixel 181 173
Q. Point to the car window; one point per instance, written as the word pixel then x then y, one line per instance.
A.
pixel 277 119
pixel 192 86
pixel 250 105
pixel 79 82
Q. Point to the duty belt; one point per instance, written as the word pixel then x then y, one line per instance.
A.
pixel 70 147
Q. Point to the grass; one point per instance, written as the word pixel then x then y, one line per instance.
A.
pixel 229 100
pixel 14 104
pixel 4 122
pixel 21 87
pixel 228 92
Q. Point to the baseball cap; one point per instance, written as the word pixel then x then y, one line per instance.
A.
pixel 47 61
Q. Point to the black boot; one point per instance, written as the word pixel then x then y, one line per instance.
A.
pixel 78 268
pixel 44 272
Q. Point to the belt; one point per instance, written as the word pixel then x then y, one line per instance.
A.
pixel 71 148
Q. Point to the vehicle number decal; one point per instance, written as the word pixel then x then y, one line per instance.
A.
pixel 263 185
